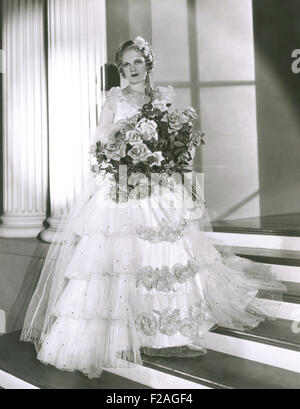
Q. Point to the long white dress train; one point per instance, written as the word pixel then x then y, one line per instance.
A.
pixel 138 276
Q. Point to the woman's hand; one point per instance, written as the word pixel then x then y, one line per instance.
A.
pixel 119 126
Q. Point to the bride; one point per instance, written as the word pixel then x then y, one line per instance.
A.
pixel 139 276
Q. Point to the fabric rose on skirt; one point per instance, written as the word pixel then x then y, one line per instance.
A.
pixel 188 328
pixel 147 277
pixel 169 322
pixel 181 272
pixel 147 323
pixel 199 312
pixel 165 280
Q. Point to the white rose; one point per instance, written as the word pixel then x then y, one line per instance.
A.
pixel 140 42
pixel 133 137
pixel 160 104
pixel 139 153
pixel 116 150
pixel 159 157
pixel 147 129
pixel 136 178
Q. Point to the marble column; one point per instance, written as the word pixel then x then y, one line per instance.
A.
pixel 76 51
pixel 24 119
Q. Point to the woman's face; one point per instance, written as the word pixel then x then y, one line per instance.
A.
pixel 134 66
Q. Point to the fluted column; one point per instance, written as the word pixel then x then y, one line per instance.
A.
pixel 77 49
pixel 24 120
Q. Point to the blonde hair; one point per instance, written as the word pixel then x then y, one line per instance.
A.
pixel 146 52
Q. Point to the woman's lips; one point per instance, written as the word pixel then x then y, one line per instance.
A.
pixel 134 75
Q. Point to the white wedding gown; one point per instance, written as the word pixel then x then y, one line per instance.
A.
pixel 136 277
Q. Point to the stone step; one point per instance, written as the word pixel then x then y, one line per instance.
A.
pixel 292 295
pixel 278 333
pixel 218 370
pixel 214 370
pixel 270 256
pixel 285 309
pixel 256 240
pixel 275 343
pixel 286 266
pixel 19 368
pixel 280 225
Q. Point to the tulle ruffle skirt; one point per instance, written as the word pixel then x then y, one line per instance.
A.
pixel 143 277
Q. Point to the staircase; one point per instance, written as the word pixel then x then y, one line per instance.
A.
pixel 267 357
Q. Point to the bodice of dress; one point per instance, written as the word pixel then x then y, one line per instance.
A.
pixel 124 109
pixel 119 104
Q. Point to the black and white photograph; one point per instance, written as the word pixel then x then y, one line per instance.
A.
pixel 150 197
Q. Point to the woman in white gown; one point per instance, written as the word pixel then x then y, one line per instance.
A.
pixel 122 278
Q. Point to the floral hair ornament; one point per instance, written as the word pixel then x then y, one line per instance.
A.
pixel 144 47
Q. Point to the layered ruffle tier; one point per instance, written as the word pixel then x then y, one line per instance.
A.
pixel 146 278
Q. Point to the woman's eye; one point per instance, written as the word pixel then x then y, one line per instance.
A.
pixel 138 61
pixel 125 65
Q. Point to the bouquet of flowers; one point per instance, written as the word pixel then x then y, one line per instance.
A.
pixel 159 139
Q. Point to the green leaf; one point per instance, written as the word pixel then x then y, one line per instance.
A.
pixel 178 144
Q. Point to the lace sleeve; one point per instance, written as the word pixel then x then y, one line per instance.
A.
pixel 105 124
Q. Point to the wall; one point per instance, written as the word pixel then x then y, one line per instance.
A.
pixel 204 48
pixel 126 19
pixel 277 34
pixel 21 263
pixel 228 107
